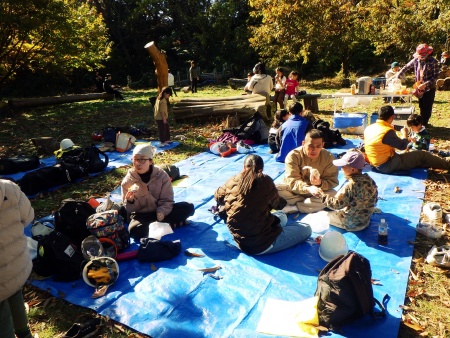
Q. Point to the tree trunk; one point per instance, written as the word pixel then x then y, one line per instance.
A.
pixel 46 101
pixel 243 106
pixel 160 62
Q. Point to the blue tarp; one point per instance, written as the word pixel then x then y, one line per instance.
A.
pixel 178 300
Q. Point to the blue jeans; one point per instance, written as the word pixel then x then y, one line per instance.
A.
pixel 291 234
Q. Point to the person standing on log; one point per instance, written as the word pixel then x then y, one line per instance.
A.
pixel 280 88
pixel 162 116
pixel 109 88
pixel 426 71
pixel 194 77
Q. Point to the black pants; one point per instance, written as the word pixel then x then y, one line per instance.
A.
pixel 426 105
pixel 139 224
pixel 279 98
pixel 163 130
pixel 194 85
pixel 173 90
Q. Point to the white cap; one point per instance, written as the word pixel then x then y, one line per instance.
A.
pixel 146 150
pixel 66 144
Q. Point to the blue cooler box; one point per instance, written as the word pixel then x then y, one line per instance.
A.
pixel 379 82
pixel 350 123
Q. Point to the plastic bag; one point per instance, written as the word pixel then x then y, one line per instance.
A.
pixel 157 230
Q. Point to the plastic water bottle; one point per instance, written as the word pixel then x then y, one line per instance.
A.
pixel 383 232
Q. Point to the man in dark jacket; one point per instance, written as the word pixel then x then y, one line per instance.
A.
pixel 109 88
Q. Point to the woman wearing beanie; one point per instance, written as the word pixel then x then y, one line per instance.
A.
pixel 147 195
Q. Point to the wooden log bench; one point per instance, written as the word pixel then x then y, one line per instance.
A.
pixel 310 101
pixel 51 100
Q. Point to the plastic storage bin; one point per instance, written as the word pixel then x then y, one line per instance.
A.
pixel 373 118
pixel 401 115
pixel 350 123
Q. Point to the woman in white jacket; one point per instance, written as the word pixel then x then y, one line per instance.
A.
pixel 15 262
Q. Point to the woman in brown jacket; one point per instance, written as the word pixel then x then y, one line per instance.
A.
pixel 248 199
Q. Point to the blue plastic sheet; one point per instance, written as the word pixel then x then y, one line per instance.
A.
pixel 179 300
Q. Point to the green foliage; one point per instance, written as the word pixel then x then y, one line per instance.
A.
pixel 57 34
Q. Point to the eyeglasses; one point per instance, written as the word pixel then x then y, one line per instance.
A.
pixel 141 160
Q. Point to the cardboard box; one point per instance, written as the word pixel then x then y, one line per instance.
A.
pixel 401 115
pixel 350 123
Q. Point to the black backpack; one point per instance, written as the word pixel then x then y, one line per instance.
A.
pixel 13 165
pixel 331 137
pixel 253 129
pixel 88 158
pixel 344 288
pixel 71 217
pixel 58 257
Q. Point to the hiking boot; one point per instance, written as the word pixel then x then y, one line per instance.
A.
pixel 439 256
pixel 428 230
pixel 84 330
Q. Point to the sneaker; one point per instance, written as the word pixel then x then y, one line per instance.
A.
pixel 428 230
pixel 433 211
pixel 290 209
pixel 439 256
pixel 162 145
pixel 85 330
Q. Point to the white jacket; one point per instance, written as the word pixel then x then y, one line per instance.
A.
pixel 15 214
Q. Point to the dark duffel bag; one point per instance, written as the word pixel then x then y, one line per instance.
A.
pixel 13 165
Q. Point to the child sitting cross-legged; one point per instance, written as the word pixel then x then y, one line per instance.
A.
pixel 355 202
pixel 419 137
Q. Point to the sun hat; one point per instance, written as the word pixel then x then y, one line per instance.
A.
pixel 422 51
pixel 395 64
pixel 145 150
pixel 354 159
pixel 66 144
pixel 332 245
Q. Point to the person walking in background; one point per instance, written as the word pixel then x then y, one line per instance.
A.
pixel 280 88
pixel 109 88
pixel 15 262
pixel 171 82
pixel 162 116
pixel 248 199
pixel 194 77
pixel 291 87
pixel 426 71
pixel 98 78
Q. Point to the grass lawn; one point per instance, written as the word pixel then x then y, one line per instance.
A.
pixel 427 302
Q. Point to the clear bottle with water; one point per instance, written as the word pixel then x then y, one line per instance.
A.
pixel 383 232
